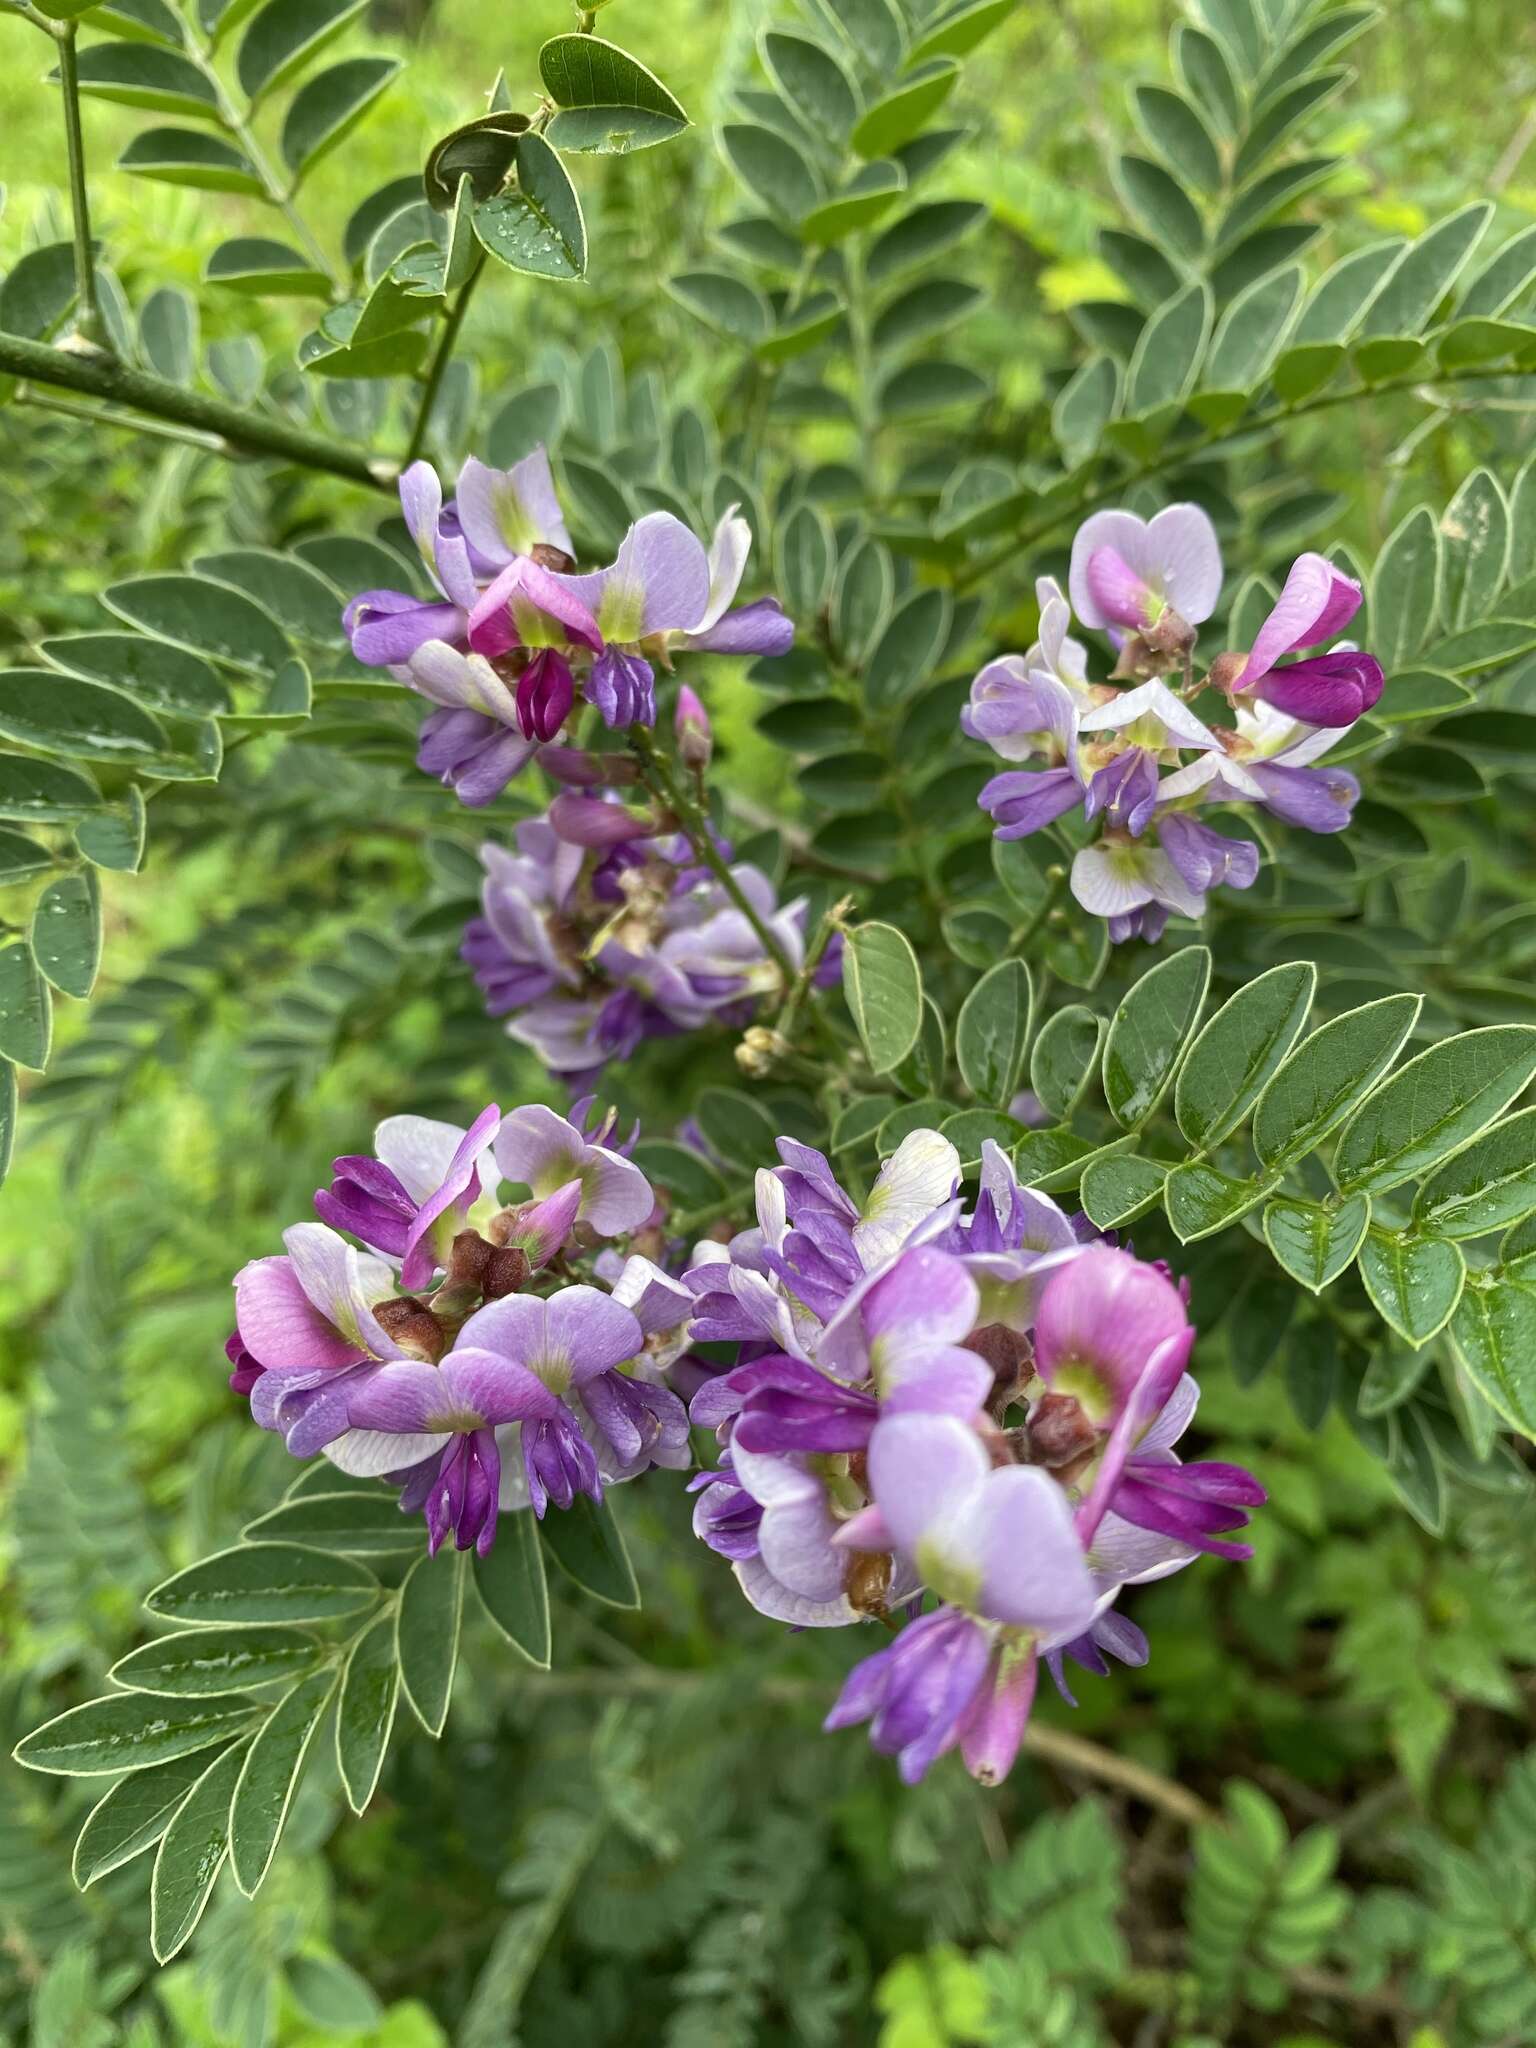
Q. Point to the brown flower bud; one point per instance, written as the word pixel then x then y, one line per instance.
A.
pixel 1059 1432
pixel 1226 671
pixel 414 1328
pixel 1011 1357
pixel 467 1258
pixel 506 1272
pixel 549 557
pixel 869 1581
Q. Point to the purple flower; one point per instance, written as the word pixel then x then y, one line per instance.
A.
pixel 1120 876
pixel 541 1149
pixel 1196 1506
pixel 1128 571
pixel 1317 603
pixel 386 627
pixel 415 1196
pixel 504 513
pixel 1207 859
pixel 594 821
pixel 306 1319
pixel 1104 1318
pixel 530 607
pixel 1124 792
pixel 1024 800
pixel 695 742
pixel 918 1692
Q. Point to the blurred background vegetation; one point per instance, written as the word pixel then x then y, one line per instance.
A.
pixel 652 1844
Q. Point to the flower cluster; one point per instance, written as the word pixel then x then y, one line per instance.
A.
pixel 977 1406
pixel 426 1333
pixel 603 929
pixel 1131 753
pixel 512 639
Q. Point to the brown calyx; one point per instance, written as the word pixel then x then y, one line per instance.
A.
pixel 413 1327
pixel 1011 1357
pixel 549 557
pixel 869 1582
pixel 1060 1433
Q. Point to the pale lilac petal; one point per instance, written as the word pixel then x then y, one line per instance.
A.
pixel 728 553
pixel 1317 799
pixel 1177 1413
pixel 1318 601
pixel 794 1541
pixel 510 511
pixel 774 1599
pixel 921 1173
pixel 1205 858
pixel 1130 1556
pixel 923 1469
pixel 1033 1572
pixel 494 1388
pixel 1025 800
pixel 940 1380
pixel 925 1299
pixel 384 639
pixel 1121 531
pixel 657 1301
pixel 419 1150
pixel 762 628
pixel 1108 880
pixel 1187 554
pixel 371 1453
pixel 421 502
pixel 658 582
pixel 281 1327
pixel 342 1283
pixel 403 1399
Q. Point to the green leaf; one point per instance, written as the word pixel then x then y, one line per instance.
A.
pixel 924 388
pixel 512 1587
pixel 961 28
pixel 262 268
pixel 1168 354
pixel 129 1731
pixel 610 102
pixel 185 156
pixel 38 291
pixel 1065 1059
pixel 427 1635
pixel 331 1994
pixel 266 1582
pixel 287 36
pixel 1392 1375
pixel 909 648
pixel 64 714
pixel 1313 1241
pixel 771 168
pixel 1318 1084
pixel 1055 1159
pixel 866 586
pixel 813 81
pixel 191 1855
pixel 1405 590
pixel 1414 1282
pixel 992 1034
pixel 725 302
pixel 270 1776
pixel 923 311
pixel 43 793
pixel 329 106
pixel 1084 407
pixel 1342 295
pixel 587 1545
pixel 884 989
pixel 921 235
pixel 1201 1201
pixel 66 933
pixel 21 857
pixel 1206 72
pixel 143 75
pixel 1501 283
pixel 483 150
pixel 26 1011
pixel 205 1662
pixel 365 1712
pixel 969 1129
pixel 538 226
pixel 1239 1049
pixel 806 552
pixel 1485 1186
pixel 1427 272
pixel 132 1816
pixel 1149 1030
pixel 680 1172
pixel 168 333
pixel 206 617
pixel 285 587
pixel 1161 204
pixel 1251 331
pixel 1116 1191
pixel 1437 1103
pixel 115 839
pixel 736 1126
pixel 1474 536
pixel 1179 135
pixel 1494 1334
pixel 907 110
pixel 359 1524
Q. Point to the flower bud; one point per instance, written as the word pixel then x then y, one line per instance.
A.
pixel 413 1327
pixel 539 1231
pixel 507 1271
pixel 695 739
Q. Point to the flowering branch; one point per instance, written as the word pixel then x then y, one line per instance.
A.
pixel 657 776
pixel 238 432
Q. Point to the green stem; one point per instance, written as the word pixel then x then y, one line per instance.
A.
pixel 658 779
pixel 447 342
pixel 1183 451
pixel 91 326
pixel 1027 930
pixel 98 376
pixel 277 193
pixel 784 1023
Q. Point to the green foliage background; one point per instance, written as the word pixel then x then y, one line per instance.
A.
pixel 652 1843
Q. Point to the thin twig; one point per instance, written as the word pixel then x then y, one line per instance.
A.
pixel 447 342
pixel 103 416
pixel 90 324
